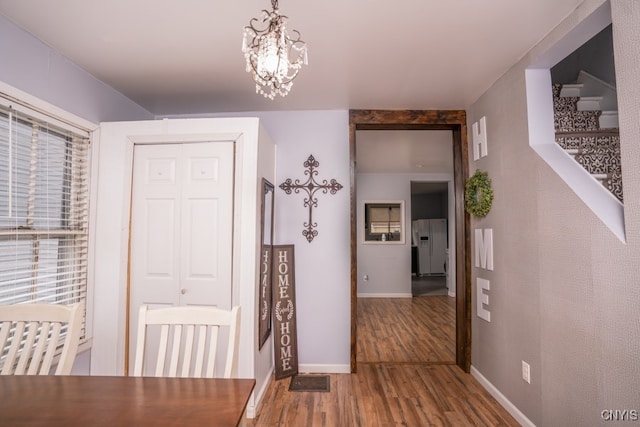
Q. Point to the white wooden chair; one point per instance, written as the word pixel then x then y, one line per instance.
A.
pixel 198 321
pixel 36 337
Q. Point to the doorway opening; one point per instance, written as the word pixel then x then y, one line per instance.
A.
pixel 432 231
pixel 451 120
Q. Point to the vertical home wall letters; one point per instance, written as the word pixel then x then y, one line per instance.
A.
pixel 483 238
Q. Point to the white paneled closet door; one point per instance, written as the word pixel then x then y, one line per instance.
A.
pixel 181 227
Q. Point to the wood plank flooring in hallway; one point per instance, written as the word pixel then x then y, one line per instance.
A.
pixel 406 376
pixel 386 395
pixel 407 330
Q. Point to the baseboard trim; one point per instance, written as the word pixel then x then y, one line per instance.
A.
pixel 324 369
pixel 258 395
pixel 502 399
pixel 381 295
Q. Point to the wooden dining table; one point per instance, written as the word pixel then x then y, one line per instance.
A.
pixel 27 400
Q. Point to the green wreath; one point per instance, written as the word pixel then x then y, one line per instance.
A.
pixel 478 194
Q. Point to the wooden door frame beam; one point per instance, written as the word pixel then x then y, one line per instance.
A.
pixel 456 121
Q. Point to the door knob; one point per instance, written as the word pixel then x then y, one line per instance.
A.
pixel 183 291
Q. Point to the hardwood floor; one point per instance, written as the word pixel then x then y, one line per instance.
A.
pixel 405 376
pixel 406 330
pixel 386 395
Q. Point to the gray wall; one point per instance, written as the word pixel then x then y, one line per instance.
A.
pixel 387 266
pixel 565 292
pixel 595 57
pixel 432 205
pixel 33 67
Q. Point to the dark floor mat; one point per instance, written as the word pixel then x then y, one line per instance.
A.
pixel 309 383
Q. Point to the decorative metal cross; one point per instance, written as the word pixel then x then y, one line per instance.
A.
pixel 310 186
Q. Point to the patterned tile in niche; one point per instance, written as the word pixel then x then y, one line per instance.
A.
pixel 600 160
pixel 614 184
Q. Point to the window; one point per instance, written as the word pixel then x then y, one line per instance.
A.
pixel 43 209
pixel 384 221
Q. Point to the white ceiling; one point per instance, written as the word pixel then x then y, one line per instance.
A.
pixel 404 151
pixel 184 57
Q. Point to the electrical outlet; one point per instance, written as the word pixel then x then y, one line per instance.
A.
pixel 526 372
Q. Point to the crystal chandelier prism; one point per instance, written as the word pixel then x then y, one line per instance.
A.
pixel 273 57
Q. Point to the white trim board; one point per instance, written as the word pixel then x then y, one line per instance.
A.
pixel 307 368
pixel 258 395
pixel 59 116
pixel 502 399
pixel 382 295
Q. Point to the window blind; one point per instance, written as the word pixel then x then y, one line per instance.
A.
pixel 44 211
pixel 384 219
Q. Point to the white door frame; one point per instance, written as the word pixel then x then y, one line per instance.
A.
pixel 156 140
pixel 195 290
pixel 110 245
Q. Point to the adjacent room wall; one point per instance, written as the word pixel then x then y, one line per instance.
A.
pixel 323 266
pixel 387 266
pixel 565 292
pixel 384 270
pixel 33 67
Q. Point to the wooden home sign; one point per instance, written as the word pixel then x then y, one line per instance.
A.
pixel 264 307
pixel 284 312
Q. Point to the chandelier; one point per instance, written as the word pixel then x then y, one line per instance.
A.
pixel 273 57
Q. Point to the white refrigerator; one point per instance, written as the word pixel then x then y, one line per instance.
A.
pixel 430 237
